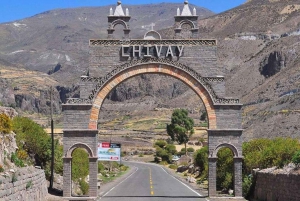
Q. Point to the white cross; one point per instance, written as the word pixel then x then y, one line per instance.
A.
pixel 152 25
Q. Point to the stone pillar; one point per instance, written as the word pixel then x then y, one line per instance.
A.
pixel 212 176
pixel 93 166
pixel 238 192
pixel 126 33
pixel 110 33
pixel 194 33
pixel 67 187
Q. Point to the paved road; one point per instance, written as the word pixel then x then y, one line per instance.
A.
pixel 150 182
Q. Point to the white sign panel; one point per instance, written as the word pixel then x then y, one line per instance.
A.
pixel 109 151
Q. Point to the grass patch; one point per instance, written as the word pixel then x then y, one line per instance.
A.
pixel 111 177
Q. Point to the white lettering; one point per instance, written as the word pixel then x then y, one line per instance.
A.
pixel 148 51
pixel 180 50
pixel 123 51
pixel 169 51
pixel 138 50
pixel 158 50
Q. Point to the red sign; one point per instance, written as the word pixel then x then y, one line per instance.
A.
pixel 105 145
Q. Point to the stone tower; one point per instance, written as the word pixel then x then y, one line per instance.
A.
pixel 118 17
pixel 186 23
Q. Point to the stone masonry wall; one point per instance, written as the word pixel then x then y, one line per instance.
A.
pixel 29 185
pixel 277 185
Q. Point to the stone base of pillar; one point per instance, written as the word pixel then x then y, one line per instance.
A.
pixel 80 198
pixel 227 198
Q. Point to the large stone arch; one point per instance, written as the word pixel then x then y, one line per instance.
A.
pixel 153 68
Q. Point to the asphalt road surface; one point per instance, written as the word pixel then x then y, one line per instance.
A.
pixel 150 182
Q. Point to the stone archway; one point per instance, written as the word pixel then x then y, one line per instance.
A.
pixel 74 139
pixel 221 132
pixel 193 61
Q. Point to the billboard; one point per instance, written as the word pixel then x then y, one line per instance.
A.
pixel 109 151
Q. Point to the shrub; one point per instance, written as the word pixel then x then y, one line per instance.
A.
pixel 247 185
pixel 225 169
pixel 14 178
pixel 172 166
pixel 1 168
pixel 161 143
pixel 181 153
pixel 16 160
pixel 201 160
pixel 101 167
pixel 29 184
pixel 265 153
pixel 80 164
pixel 163 163
pixel 165 156
pixel 190 149
pixel 157 159
pixel 296 158
pixel 22 154
pixel 84 187
pixel 58 162
pixel 32 137
pixel 141 155
pixel 5 123
pixel 115 164
pixel 124 167
pixel 171 149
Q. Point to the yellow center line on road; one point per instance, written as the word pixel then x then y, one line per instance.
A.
pixel 151 187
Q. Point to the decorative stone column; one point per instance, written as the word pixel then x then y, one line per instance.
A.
pixel 93 166
pixel 212 176
pixel 238 176
pixel 67 181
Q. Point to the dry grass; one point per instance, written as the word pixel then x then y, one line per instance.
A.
pixel 26 81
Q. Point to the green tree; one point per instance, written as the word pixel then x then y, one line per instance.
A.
pixel 181 127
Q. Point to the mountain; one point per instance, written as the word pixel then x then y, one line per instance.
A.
pixel 258 45
pixel 58 40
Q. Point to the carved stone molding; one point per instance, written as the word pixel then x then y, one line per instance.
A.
pixel 105 42
pixel 214 79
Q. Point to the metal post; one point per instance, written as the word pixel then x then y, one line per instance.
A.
pixel 52 142
pixel 110 163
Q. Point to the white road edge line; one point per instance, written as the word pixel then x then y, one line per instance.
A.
pixel 136 169
pixel 184 184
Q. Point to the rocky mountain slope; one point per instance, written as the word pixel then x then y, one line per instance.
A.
pixel 258 43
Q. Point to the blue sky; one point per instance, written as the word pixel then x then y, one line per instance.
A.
pixel 11 10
